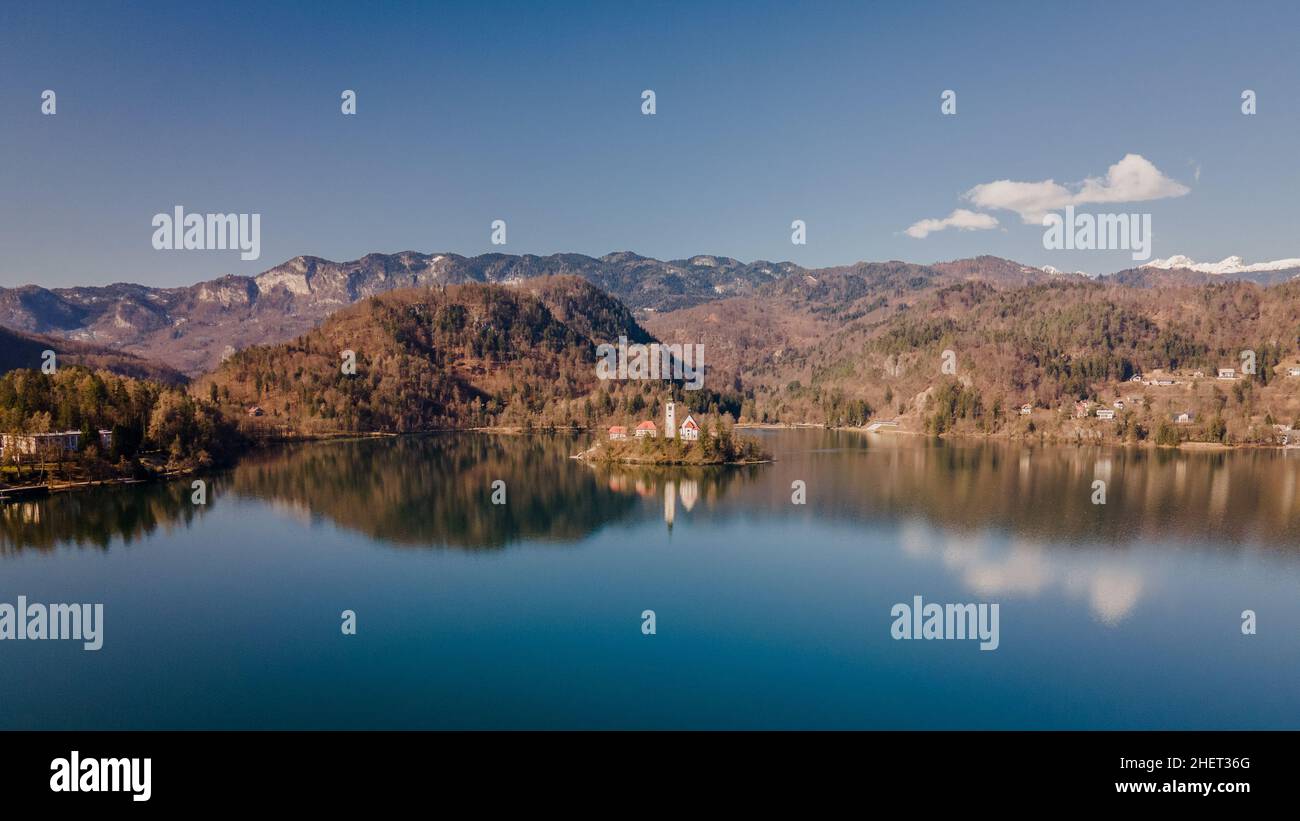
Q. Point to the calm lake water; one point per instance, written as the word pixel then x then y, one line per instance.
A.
pixel 768 614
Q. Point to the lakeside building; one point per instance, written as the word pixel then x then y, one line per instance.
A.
pixel 43 444
pixel 1227 373
pixel 646 428
pixel 1184 418
pixel 33 444
pixel 617 433
pixel 1105 413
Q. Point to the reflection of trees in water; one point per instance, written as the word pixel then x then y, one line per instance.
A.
pixel 438 489
pixel 94 518
pixel 1046 493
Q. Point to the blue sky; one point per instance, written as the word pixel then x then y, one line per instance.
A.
pixel 531 113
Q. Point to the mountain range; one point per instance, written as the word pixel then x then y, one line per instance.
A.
pixel 446 339
pixel 191 328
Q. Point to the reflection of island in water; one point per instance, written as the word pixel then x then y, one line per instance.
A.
pixel 679 487
pixel 436 490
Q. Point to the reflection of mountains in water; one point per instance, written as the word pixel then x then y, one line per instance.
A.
pixel 413 490
pixel 1046 493
pixel 437 489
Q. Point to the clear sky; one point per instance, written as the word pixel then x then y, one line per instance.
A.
pixel 531 112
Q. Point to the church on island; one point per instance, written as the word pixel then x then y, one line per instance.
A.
pixel 689 430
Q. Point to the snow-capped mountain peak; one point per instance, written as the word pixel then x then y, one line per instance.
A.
pixel 1048 269
pixel 1227 265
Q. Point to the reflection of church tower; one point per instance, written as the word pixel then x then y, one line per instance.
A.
pixel 670 420
pixel 690 493
pixel 670 503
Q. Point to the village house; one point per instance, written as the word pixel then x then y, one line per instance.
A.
pixel 1105 413
pixel 1184 418
pixel 1293 371
pixel 1025 410
pixel 1137 377
pixel 255 411
pixel 1198 374
pixel 646 428
pixel 1118 404
pixel 617 432
pixel 690 431
pixel 1227 373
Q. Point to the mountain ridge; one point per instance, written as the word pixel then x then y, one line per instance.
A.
pixel 192 328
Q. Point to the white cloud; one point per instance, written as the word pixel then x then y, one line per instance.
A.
pixel 1132 179
pixel 960 219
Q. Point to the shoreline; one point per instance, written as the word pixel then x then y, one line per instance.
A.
pixel 1048 439
pixel 31 491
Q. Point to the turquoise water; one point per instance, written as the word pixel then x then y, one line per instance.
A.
pixel 768 614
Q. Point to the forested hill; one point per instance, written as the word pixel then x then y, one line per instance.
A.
pixel 1048 345
pixel 428 358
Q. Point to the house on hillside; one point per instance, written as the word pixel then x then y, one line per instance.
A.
pixel 1293 371
pixel 1025 410
pixel 1184 418
pixel 617 433
pixel 646 428
pixel 690 431
pixel 1105 413
pixel 1227 373
pixel 256 411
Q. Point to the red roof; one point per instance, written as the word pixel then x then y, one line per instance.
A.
pixel 618 429
pixel 647 425
pixel 690 423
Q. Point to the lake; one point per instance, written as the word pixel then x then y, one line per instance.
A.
pixel 767 614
